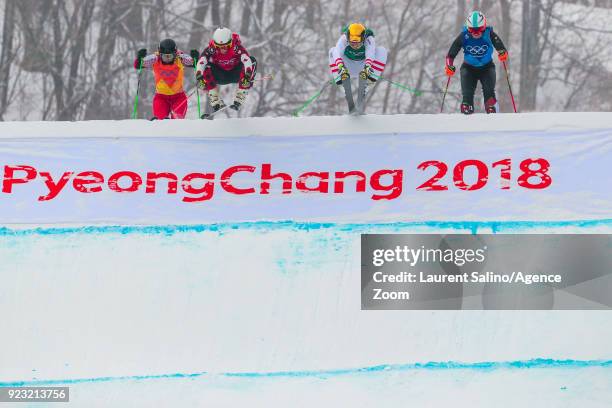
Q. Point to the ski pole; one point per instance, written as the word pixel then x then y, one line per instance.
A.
pixel 264 78
pixel 197 91
pixel 509 86
pixel 312 99
pixel 189 95
pixel 445 92
pixel 135 111
pixel 416 92
pixel 195 56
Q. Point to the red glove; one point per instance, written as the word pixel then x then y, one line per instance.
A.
pixel 450 68
pixel 503 55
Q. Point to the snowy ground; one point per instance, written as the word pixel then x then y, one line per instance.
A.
pixel 309 126
pixel 545 387
pixel 260 302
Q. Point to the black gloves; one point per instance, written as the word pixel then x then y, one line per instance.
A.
pixel 195 55
pixel 140 55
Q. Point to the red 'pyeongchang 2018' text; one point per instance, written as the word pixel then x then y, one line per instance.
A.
pixel 383 184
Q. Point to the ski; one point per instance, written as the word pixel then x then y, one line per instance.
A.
pixel 348 94
pixel 211 115
pixel 361 95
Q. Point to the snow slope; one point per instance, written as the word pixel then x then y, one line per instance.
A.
pixel 255 311
pixel 309 126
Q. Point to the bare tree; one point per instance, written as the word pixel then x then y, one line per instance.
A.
pixel 73 59
pixel 537 24
pixel 198 29
pixel 7 56
pixel 461 13
pixel 215 11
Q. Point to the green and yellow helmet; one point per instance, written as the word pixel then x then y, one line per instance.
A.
pixel 356 32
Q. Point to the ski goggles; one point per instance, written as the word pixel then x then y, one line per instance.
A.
pixel 226 46
pixel 167 57
pixel 478 30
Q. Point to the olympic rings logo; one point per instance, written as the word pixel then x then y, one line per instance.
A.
pixel 477 50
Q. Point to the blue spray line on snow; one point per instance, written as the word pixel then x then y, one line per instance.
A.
pixel 538 363
pixel 99 379
pixel 471 226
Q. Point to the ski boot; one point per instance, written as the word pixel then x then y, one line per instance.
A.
pixel 467 109
pixel 343 74
pixel 216 103
pixel 366 80
pixel 491 105
pixel 239 99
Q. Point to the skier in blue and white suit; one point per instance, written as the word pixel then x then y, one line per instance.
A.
pixel 477 41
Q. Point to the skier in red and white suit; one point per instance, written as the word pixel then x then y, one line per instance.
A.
pixel 225 61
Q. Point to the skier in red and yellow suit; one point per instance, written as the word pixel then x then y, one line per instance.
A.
pixel 168 63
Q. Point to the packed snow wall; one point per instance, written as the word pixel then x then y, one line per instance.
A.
pixel 220 261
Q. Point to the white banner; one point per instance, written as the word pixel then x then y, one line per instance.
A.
pixel 376 176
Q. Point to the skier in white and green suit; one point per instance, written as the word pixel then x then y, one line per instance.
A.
pixel 356 55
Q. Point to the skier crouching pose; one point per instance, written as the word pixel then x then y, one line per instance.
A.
pixel 477 41
pixel 226 61
pixel 168 65
pixel 356 55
